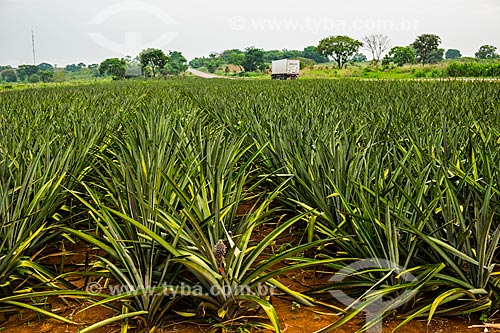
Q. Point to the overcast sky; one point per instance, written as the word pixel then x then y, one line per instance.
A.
pixel 89 31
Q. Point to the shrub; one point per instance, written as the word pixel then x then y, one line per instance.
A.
pixel 9 75
pixel 46 75
pixel 435 73
pixel 419 73
pixel 35 78
pixel 473 69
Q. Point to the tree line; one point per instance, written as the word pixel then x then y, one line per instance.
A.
pixel 424 50
pixel 254 59
pixel 341 49
pixel 45 72
pixel 150 63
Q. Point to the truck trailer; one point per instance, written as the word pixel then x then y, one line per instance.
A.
pixel 284 69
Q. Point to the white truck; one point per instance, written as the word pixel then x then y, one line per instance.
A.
pixel 284 69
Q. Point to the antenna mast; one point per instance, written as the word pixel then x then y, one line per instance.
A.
pixel 33 43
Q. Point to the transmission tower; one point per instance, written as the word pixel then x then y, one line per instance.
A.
pixel 33 44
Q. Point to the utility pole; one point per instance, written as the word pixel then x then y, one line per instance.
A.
pixel 33 43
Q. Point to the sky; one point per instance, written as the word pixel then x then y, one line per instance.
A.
pixel 90 31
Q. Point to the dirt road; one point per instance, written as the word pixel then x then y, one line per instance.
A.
pixel 203 74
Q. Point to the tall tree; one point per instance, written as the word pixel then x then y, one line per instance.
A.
pixel 377 44
pixel 453 54
pixel 8 75
pixel 114 67
pixel 233 57
pixel 197 62
pixel 154 59
pixel 72 68
pixel 24 72
pixel 254 59
pixel 424 46
pixel 311 52
pixel 273 55
pixel 359 57
pixel 436 56
pixel 486 52
pixel 339 48
pixel 45 67
pixel 213 62
pixel 400 55
pixel 291 54
pixel 176 63
pixel 34 78
pixel 46 75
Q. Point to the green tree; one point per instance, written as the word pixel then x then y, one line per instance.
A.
pixel 154 59
pixel 213 62
pixel 272 55
pixel 311 52
pixel 176 63
pixel 339 48
pixel 34 78
pixel 291 54
pixel 359 57
pixel 436 56
pixel 400 55
pixel 453 54
pixel 254 59
pixel 233 57
pixel 59 76
pixel 424 47
pixel 114 67
pixel 72 68
pixel 45 67
pixel 9 75
pixel 24 72
pixel 306 62
pixel 486 52
pixel 46 75
pixel 197 62
pixel 237 59
pixel 264 67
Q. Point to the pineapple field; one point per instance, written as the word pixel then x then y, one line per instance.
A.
pixel 190 200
